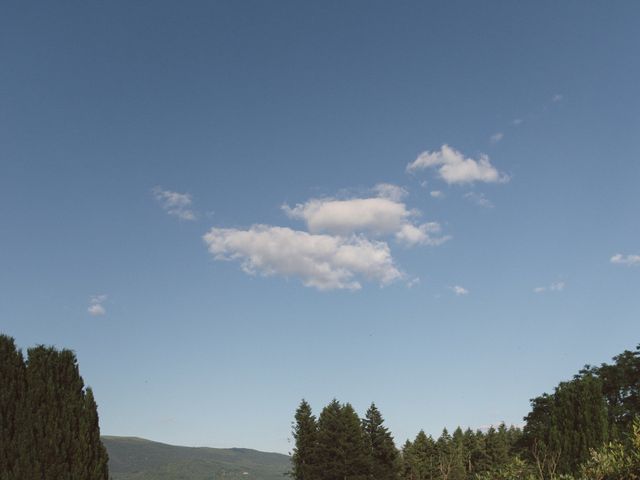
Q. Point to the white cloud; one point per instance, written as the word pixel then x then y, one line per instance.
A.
pixel 96 308
pixel 322 261
pixel 454 168
pixel 174 203
pixel 458 290
pixel 391 192
pixel 479 199
pixel 343 217
pixel 496 137
pixel 517 122
pixel 377 216
pixel 436 194
pixel 554 287
pixel 629 260
pixel 558 97
pixel 425 234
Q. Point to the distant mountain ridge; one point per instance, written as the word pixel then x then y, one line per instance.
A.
pixel 133 458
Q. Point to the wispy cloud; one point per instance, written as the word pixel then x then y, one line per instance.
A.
pixel 454 168
pixel 628 260
pixel 437 194
pixel 558 97
pixel 325 262
pixel 458 290
pixel 553 287
pixel 479 199
pixel 496 137
pixel 390 191
pixel 425 234
pixel 96 307
pixel 174 203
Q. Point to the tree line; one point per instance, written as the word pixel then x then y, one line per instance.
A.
pixel 48 419
pixel 587 428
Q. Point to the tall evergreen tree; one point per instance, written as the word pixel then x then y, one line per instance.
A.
pixel 341 452
pixel 93 460
pixel 305 432
pixel 64 434
pixel 12 418
pixel 383 455
pixel 424 457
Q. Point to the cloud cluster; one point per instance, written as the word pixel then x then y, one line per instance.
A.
pixel 342 245
pixel 174 203
pixel 628 260
pixel 454 168
pixel 96 307
pixel 322 261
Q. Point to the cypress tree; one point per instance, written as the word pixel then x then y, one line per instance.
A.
pixel 64 436
pixel 382 452
pixel 12 418
pixel 93 459
pixel 305 431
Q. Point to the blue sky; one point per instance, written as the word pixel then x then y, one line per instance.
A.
pixel 224 207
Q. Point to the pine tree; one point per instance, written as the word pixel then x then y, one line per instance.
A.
pixel 341 451
pixel 497 447
pixel 424 457
pixel 305 431
pixel 382 452
pixel 458 471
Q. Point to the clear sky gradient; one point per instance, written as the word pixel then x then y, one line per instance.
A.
pixel 224 207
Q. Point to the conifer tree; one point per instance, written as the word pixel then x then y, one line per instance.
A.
pixel 341 452
pixel 305 431
pixel 64 435
pixel 12 418
pixel 382 452
pixel 93 460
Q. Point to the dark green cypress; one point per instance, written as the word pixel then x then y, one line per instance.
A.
pixel 93 458
pixel 12 419
pixel 383 455
pixel 64 434
pixel 305 431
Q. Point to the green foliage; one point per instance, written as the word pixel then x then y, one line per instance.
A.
pixel 341 449
pixel 49 423
pixel 563 427
pixel 384 462
pixel 340 446
pixel 12 398
pixel 514 469
pixel 616 460
pixel 305 432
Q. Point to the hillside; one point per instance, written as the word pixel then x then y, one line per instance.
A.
pixel 132 458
